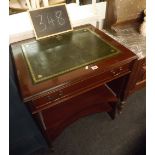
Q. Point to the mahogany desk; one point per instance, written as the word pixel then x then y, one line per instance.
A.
pixel 72 75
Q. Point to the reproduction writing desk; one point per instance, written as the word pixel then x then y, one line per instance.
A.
pixel 67 76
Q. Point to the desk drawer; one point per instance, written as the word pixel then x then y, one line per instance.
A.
pixel 94 81
pixel 74 89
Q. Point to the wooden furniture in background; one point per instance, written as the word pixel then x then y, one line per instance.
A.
pixel 121 12
pixel 122 22
pixel 139 80
pixel 17 6
pixel 56 102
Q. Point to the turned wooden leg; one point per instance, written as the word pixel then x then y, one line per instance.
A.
pixel 120 106
pixel 112 113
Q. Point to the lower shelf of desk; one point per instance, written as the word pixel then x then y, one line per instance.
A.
pixel 53 120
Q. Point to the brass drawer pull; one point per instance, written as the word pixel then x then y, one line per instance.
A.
pixel 60 93
pixel 50 97
pixel 120 68
pixel 115 73
pixel 54 97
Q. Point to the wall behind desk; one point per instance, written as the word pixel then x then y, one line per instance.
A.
pixel 21 27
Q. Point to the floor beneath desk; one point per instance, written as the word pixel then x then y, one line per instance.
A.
pixel 99 135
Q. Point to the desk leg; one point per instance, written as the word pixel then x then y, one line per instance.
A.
pixel 120 88
pixel 120 106
pixel 113 112
pixel 127 87
pixel 130 83
pixel 40 122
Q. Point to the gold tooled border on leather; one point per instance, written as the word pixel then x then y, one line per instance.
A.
pixel 35 80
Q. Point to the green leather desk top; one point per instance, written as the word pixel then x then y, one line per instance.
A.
pixel 63 53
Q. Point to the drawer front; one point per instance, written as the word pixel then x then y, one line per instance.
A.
pixel 93 82
pixel 54 115
pixel 75 89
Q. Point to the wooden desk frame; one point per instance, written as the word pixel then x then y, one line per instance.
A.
pixel 46 99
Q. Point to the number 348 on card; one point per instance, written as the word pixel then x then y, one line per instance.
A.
pixel 50 21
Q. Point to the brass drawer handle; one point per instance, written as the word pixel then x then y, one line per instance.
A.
pixel 115 73
pixel 120 68
pixel 60 93
pixel 50 98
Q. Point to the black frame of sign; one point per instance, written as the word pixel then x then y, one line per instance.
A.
pixel 49 21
